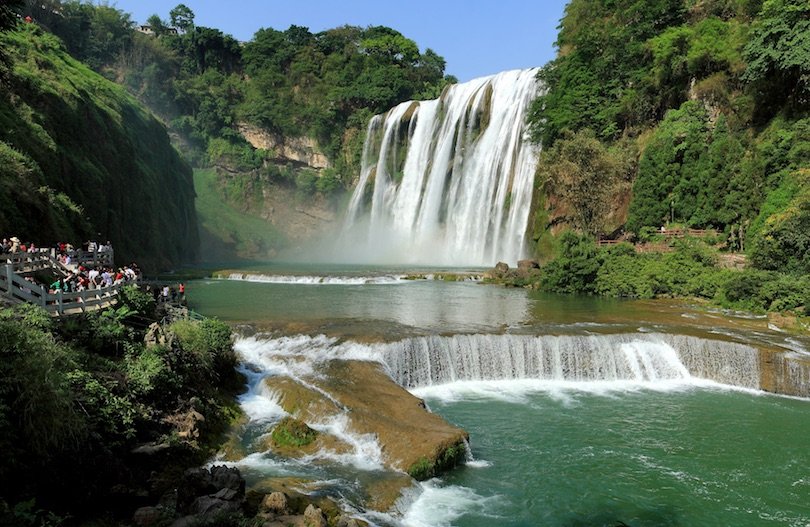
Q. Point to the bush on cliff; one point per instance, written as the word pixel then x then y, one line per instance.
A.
pixel 80 158
pixel 688 271
pixel 71 412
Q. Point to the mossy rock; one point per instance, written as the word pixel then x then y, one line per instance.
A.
pixel 292 433
pixel 447 458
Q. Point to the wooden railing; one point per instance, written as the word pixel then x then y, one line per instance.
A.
pixel 16 288
pixel 39 259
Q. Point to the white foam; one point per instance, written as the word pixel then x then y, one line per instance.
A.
pixel 478 463
pixel 318 279
pixel 517 390
pixel 440 506
pixel 261 404
pixel 263 463
pixel 366 453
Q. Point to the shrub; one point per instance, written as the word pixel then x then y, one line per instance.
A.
pixel 147 372
pixel 137 301
pixel 576 267
pixel 205 349
pixel 107 412
pixel 290 432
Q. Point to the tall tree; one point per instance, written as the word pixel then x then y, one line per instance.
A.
pixel 182 18
pixel 778 55
pixel 581 171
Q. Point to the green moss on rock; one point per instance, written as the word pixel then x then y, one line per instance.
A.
pixel 291 432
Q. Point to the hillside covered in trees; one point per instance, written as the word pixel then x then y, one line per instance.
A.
pixel 258 112
pixel 688 113
pixel 671 115
pixel 81 159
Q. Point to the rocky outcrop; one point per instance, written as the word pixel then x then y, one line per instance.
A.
pixel 301 150
pixel 413 439
pixel 527 274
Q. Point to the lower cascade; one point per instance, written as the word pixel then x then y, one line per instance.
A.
pixel 447 181
pixel 647 358
pixel 418 362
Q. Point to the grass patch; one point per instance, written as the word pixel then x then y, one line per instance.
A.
pixel 290 432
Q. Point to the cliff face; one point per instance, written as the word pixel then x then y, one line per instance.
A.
pixel 82 159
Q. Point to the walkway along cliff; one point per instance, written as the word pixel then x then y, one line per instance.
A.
pixel 15 285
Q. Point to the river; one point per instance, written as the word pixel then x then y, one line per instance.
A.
pixel 581 411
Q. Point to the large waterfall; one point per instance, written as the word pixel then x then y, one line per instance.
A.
pixel 447 181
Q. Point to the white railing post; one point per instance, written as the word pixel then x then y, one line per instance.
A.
pixel 60 308
pixel 9 277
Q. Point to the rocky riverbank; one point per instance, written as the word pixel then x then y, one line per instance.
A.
pixel 408 441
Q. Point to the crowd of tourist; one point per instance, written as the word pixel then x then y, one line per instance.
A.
pixel 86 278
pixel 85 268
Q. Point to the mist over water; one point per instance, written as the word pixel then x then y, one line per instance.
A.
pixel 447 181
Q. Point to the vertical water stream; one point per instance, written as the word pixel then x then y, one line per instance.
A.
pixel 448 181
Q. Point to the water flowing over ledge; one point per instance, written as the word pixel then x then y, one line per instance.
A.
pixel 419 362
pixel 447 181
pixel 318 280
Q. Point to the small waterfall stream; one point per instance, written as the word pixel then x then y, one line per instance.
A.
pixel 447 181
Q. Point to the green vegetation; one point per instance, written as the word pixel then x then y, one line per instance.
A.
pixel 424 468
pixel 290 87
pixel 689 270
pixel 682 113
pixel 78 396
pixel 292 433
pixel 80 158
pixel 292 83
pixel 234 231
pixel 696 99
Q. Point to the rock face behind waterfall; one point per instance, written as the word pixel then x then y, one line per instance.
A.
pixel 412 439
pixel 448 181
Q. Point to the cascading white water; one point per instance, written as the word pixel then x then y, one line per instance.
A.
pixel 648 358
pixel 417 362
pixel 452 178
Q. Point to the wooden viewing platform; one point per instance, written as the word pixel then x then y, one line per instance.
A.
pixel 15 288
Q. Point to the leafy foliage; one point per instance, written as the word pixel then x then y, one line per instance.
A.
pixel 784 242
pixel 82 158
pixel 70 417
pixel 290 432
pixel 712 93
pixel 778 55
pixel 581 171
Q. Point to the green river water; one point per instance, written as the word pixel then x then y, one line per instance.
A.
pixel 547 452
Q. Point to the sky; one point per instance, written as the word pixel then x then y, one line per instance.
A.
pixel 476 37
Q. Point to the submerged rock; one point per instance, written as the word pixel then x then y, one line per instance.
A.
pixel 409 435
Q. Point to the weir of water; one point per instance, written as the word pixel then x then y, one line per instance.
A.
pixel 418 362
pixel 646 358
pixel 448 181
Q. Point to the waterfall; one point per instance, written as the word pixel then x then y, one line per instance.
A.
pixel 418 362
pixel 447 181
pixel 433 360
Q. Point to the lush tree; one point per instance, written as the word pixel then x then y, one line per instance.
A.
pixel 783 243
pixel 581 171
pixel 182 18
pixel 159 26
pixel 600 78
pixel 9 11
pixel 575 268
pixel 668 181
pixel 778 55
